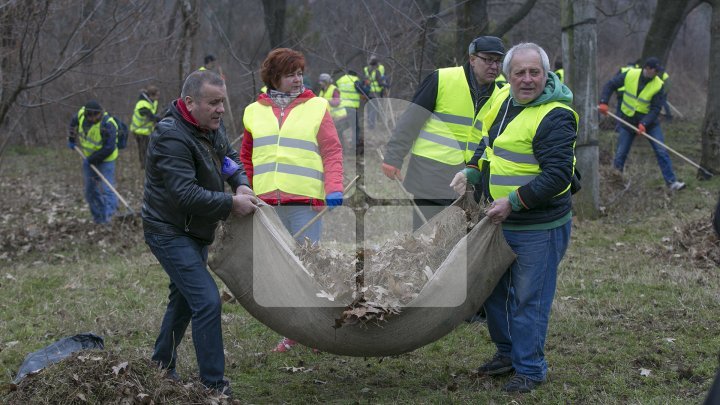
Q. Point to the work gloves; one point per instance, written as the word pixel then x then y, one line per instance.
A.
pixel 334 199
pixel 603 108
pixel 229 167
pixel 391 172
pixel 459 182
pixel 641 129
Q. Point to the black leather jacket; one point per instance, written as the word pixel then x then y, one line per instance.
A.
pixel 184 189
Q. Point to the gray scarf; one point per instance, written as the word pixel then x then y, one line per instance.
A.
pixel 283 99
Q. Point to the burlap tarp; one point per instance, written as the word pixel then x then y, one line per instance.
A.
pixel 254 257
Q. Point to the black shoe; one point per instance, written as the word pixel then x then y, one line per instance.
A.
pixel 221 389
pixel 520 383
pixel 172 375
pixel 498 365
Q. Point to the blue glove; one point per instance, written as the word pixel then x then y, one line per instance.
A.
pixel 334 199
pixel 229 167
pixel 71 144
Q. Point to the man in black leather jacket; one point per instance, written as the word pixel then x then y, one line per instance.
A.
pixel 188 159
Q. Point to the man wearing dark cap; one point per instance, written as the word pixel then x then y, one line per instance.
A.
pixel 643 97
pixel 436 127
pixel 208 63
pixel 94 132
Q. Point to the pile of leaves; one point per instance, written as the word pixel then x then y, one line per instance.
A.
pixel 104 377
pixel 377 283
pixel 699 240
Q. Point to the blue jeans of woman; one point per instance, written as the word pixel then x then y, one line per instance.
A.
pixel 518 309
pixel 294 217
pixel 625 140
pixel 100 198
pixel 193 296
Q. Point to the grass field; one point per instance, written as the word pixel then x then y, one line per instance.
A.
pixel 635 319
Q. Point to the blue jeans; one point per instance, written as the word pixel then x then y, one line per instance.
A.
pixel 294 217
pixel 193 296
pixel 518 309
pixel 625 140
pixel 100 198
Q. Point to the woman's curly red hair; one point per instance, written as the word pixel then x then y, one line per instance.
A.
pixel 279 62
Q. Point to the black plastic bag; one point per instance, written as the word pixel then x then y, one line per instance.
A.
pixel 57 351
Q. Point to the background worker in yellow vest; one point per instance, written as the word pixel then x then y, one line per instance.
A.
pixel 144 118
pixel 208 63
pixel 642 100
pixel 351 93
pixel 436 127
pixel 290 149
pixel 526 165
pixel 374 77
pixel 559 71
pixel 94 131
pixel 619 92
pixel 330 92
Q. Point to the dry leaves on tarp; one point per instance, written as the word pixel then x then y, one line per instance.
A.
pixel 390 276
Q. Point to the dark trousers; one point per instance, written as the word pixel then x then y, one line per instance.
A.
pixel 142 143
pixel 193 296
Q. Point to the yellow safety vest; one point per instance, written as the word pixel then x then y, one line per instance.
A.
pixel 446 136
pixel 561 75
pixel 263 89
pixel 375 86
pixel 142 125
pixel 91 141
pixel 349 95
pixel 500 81
pixel 287 158
pixel 512 162
pixel 623 70
pixel 335 112
pixel 486 116
pixel 633 102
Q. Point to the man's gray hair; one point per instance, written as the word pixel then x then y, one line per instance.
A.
pixel 195 81
pixel 523 46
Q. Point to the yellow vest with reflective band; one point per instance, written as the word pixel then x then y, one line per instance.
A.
pixel 91 141
pixel 142 125
pixel 336 112
pixel 287 158
pixel 446 135
pixel 633 102
pixel 349 96
pixel 561 74
pixel 486 116
pixel 501 81
pixel 512 162
pixel 375 86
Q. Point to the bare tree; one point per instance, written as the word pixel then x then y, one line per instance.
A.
pixel 710 137
pixel 579 40
pixel 275 20
pixel 190 24
pixel 668 18
pixel 472 20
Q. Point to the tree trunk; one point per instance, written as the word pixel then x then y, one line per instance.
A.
pixel 513 19
pixel 472 21
pixel 190 23
pixel 579 44
pixel 275 21
pixel 426 43
pixel 710 137
pixel 666 22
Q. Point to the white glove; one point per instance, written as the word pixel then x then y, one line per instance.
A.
pixel 459 183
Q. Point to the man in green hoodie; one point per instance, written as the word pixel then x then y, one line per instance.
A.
pixel 525 166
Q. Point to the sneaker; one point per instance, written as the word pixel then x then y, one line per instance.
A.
pixel 520 383
pixel 676 185
pixel 284 346
pixel 498 365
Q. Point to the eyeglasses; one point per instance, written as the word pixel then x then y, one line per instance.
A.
pixel 490 61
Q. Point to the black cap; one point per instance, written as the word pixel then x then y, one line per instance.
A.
pixel 487 44
pixel 209 58
pixel 653 63
pixel 93 106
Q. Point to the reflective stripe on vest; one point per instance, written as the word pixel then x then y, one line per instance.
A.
pixel 349 95
pixel 91 141
pixel 446 135
pixel 375 86
pixel 486 116
pixel 335 112
pixel 142 125
pixel 512 161
pixel 632 102
pixel 288 158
